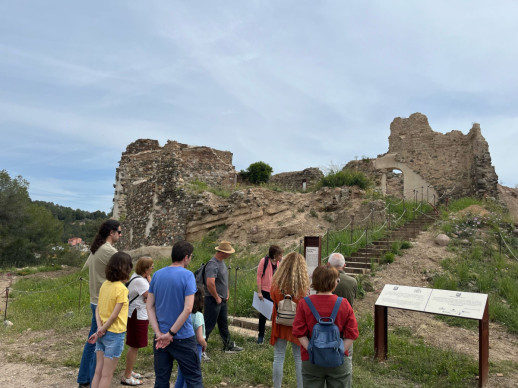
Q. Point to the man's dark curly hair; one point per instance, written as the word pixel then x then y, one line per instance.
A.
pixel 106 228
pixel 119 267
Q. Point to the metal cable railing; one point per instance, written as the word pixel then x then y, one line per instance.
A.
pixel 507 246
pixel 356 242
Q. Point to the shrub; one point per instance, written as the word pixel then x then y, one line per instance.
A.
pixel 345 178
pixel 388 257
pixel 258 172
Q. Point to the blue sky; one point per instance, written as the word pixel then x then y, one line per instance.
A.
pixel 295 84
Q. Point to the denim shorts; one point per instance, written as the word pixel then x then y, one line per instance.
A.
pixel 111 344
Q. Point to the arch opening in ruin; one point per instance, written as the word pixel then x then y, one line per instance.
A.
pixel 413 185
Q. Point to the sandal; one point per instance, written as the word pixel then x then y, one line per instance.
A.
pixel 131 381
pixel 136 375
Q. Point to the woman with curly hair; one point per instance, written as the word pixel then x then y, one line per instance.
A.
pixel 291 278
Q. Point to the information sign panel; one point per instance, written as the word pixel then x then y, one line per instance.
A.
pixel 312 258
pixel 428 300
pixel 456 303
pixel 404 297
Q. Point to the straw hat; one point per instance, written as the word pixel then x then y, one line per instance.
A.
pixel 225 247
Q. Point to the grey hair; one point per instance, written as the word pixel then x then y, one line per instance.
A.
pixel 336 260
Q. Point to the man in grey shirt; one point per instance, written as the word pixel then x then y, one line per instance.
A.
pixel 216 296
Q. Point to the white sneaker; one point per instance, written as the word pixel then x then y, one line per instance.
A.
pixel 204 357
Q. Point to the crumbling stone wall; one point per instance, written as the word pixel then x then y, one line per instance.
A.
pixel 294 180
pixel 447 161
pixel 394 182
pixel 151 196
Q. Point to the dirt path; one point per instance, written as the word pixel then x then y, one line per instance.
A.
pixel 27 357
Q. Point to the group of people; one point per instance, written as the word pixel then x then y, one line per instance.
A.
pixel 183 313
pixel 279 277
pixel 170 301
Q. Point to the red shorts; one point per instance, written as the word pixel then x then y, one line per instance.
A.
pixel 136 335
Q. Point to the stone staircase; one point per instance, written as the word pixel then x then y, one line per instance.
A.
pixel 360 261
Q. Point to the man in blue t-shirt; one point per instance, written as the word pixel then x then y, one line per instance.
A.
pixel 169 305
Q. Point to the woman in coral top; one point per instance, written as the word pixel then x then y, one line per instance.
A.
pixel 291 278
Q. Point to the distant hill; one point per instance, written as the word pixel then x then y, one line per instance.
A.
pixel 77 223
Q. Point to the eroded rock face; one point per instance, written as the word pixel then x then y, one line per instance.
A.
pixel 258 215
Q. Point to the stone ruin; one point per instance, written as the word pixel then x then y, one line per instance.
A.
pixel 155 201
pixel 434 166
pixel 297 180
pixel 158 203
pixel 150 196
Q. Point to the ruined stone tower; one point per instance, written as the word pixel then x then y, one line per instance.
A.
pixel 453 163
pixel 150 197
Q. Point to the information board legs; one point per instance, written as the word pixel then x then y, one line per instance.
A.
pixel 483 348
pixel 380 332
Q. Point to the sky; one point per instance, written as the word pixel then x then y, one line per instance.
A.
pixel 295 84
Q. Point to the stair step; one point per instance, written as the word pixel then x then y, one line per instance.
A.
pixel 356 264
pixel 359 271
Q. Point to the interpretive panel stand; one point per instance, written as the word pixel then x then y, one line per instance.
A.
pixel 312 252
pixel 454 303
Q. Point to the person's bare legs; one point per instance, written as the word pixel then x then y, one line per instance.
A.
pixel 107 373
pixel 98 369
pixel 131 357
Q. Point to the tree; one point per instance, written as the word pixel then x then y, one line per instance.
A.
pixel 258 172
pixel 27 230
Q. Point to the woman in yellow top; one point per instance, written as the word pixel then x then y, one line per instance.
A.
pixel 111 316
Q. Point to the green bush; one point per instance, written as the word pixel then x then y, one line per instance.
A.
pixel 345 178
pixel 258 172
pixel 388 258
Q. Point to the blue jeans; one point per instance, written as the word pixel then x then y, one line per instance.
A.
pixel 88 361
pixel 216 313
pixel 111 344
pixel 279 352
pixel 185 353
pixel 180 381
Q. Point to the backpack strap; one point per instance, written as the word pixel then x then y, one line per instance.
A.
pixel 312 308
pixel 266 259
pixel 127 285
pixel 336 308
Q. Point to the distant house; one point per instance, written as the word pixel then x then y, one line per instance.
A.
pixel 74 241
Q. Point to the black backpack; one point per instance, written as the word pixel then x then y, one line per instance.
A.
pixel 127 286
pixel 199 275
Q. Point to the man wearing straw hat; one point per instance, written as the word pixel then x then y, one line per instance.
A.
pixel 216 296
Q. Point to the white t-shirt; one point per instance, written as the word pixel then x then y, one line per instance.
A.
pixel 138 286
